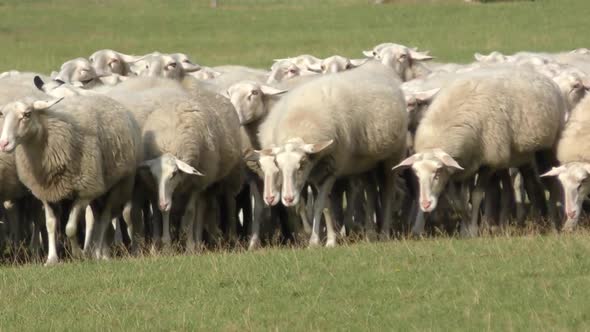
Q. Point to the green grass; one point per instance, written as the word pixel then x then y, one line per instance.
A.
pixel 40 35
pixel 525 283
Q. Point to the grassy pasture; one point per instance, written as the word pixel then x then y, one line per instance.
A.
pixel 504 283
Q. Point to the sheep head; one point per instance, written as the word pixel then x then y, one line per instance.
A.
pixel 20 120
pixel 335 64
pixel 168 172
pixel 295 160
pixel 264 165
pixel 574 178
pixel 433 169
pixel 250 99
pixel 283 70
pixel 401 59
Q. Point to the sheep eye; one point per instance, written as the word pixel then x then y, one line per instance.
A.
pixel 91 60
pixel 26 115
pixel 187 61
pixel 255 92
pixel 292 71
pixel 348 66
pixel 323 67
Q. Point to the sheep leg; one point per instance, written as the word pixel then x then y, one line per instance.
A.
pixel 506 197
pixel 302 211
pixel 419 222
pixel 118 234
pixel 329 216
pixel 133 220
pixel 370 210
pixel 354 191
pixel 72 226
pixel 50 223
pixel 89 220
pixel 11 218
pixel 491 203
pixel 535 192
pixel 324 191
pixel 201 210
pixel 387 201
pixel 188 222
pixel 232 228
pixel 166 240
pixel 477 196
pixel 258 211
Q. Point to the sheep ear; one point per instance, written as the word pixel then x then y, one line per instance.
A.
pixel 190 67
pixel 188 169
pixel 39 83
pixel 446 159
pixel 270 91
pixel 479 57
pixel 225 94
pixel 410 102
pixel 420 56
pixel 317 147
pixel 555 171
pixel 40 105
pixel 408 162
pixel 316 67
pixel 369 54
pixel 146 164
pixel 358 62
pixel 426 95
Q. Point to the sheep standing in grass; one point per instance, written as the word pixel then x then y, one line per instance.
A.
pixel 573 153
pixel 191 144
pixel 85 149
pixel 491 119
pixel 335 126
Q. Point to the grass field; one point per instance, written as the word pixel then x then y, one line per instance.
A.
pixel 505 283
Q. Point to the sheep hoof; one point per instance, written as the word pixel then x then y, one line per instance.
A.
pixel 51 261
pixel 331 243
pixel 254 244
pixel 314 242
pixel 77 253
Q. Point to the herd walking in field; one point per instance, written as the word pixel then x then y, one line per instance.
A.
pixel 158 152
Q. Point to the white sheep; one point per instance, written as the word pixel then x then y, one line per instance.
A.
pixel 335 64
pixel 84 148
pixel 113 62
pixel 496 119
pixel 338 125
pixel 574 155
pixel 406 62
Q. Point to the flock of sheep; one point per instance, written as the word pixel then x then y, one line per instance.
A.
pixel 158 150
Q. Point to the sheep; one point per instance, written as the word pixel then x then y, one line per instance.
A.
pixel 13 191
pixel 79 72
pixel 85 149
pixel 492 119
pixel 164 65
pixel 302 61
pixel 113 62
pixel 335 126
pixel 190 144
pixel 406 62
pixel 285 70
pixel 573 155
pixel 334 64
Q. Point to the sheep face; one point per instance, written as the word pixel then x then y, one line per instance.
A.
pixel 263 164
pixel 574 178
pixel 164 65
pixel 401 59
pixel 494 57
pixel 335 64
pixel 249 100
pixel 187 65
pixel 295 161
pixel 283 70
pixel 168 172
pixel 108 61
pixel 21 121
pixel 433 170
pixel 78 72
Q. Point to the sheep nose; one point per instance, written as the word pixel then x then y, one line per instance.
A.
pixel 164 206
pixel 570 214
pixel 289 199
pixel 3 144
pixel 426 204
pixel 270 199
